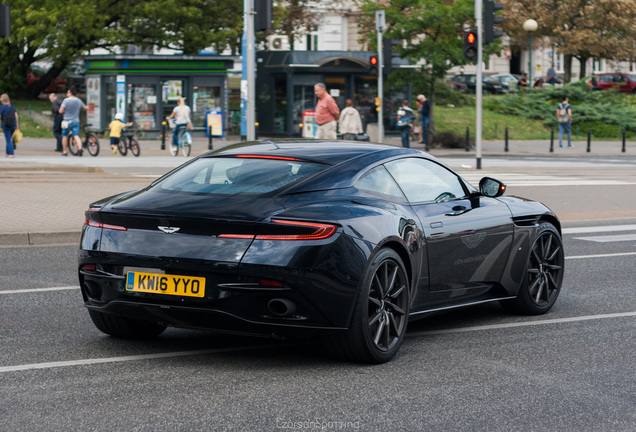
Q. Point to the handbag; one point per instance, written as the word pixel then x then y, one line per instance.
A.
pixel 189 125
pixel 65 124
pixel 16 137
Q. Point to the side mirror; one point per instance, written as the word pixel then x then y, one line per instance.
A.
pixel 491 187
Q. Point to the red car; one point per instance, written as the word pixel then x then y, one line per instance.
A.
pixel 606 81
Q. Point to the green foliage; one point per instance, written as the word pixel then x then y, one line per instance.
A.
pixel 603 111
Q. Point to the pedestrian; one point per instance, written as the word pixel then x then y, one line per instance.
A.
pixel 70 110
pixel 327 113
pixel 181 114
pixel 57 120
pixel 523 82
pixel 349 122
pixel 551 78
pixel 594 83
pixel 564 117
pixel 10 122
pixel 115 128
pixel 425 110
pixel 405 117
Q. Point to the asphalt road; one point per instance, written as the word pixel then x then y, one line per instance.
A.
pixel 472 370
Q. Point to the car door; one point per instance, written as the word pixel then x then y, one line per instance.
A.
pixel 468 236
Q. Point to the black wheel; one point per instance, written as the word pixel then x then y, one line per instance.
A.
pixel 543 275
pixel 92 144
pixel 125 327
pixel 134 147
pixel 380 315
pixel 121 146
pixel 72 146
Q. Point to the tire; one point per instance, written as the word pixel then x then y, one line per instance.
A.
pixel 72 146
pixel 185 149
pixel 121 146
pixel 92 144
pixel 134 147
pixel 543 276
pixel 380 315
pixel 126 328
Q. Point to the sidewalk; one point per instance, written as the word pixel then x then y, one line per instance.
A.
pixel 43 196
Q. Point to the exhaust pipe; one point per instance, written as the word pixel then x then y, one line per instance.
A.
pixel 281 307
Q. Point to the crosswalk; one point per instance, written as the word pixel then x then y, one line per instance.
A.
pixel 534 180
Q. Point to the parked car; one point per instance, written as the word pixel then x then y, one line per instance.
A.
pixel 508 82
pixel 470 79
pixel 626 83
pixel 345 240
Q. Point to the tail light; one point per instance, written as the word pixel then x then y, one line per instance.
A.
pixel 294 230
pixel 105 226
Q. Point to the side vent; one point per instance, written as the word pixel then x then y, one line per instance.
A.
pixel 526 221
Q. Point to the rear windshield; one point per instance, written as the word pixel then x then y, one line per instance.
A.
pixel 237 175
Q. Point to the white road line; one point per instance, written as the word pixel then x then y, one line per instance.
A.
pixel 30 290
pixel 523 324
pixel 609 238
pixel 84 362
pixel 600 255
pixel 598 229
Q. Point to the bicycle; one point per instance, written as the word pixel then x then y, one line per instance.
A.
pixel 90 143
pixel 128 141
pixel 185 143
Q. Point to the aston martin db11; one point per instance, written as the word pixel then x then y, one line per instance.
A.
pixel 342 240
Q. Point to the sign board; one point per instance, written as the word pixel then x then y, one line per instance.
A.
pixel 215 120
pixel 121 95
pixel 93 116
pixel 310 127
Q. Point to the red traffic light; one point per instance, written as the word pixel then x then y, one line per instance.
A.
pixel 470 38
pixel 373 61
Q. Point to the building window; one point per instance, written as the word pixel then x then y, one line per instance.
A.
pixel 312 40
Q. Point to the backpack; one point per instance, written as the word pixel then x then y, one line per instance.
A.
pixel 9 119
pixel 563 114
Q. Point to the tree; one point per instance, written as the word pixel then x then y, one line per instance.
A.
pixel 433 31
pixel 580 29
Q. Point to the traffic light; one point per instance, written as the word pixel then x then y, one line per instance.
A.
pixel 470 45
pixel 388 54
pixel 373 65
pixel 490 20
pixel 263 16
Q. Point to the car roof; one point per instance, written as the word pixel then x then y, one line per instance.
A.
pixel 325 152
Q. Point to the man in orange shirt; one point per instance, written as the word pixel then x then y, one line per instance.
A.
pixel 327 113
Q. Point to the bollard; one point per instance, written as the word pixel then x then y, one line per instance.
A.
pixel 624 139
pixel 210 143
pixel 589 140
pixel 467 147
pixel 552 140
pixel 163 135
pixel 256 130
pixel 506 146
pixel 496 134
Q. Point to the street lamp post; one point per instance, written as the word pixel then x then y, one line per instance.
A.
pixel 530 26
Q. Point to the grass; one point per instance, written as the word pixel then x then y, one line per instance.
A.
pixel 28 125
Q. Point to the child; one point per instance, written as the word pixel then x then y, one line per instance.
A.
pixel 115 131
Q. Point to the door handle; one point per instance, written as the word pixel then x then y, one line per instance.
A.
pixel 436 225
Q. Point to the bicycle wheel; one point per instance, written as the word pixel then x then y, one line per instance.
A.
pixel 122 147
pixel 92 144
pixel 72 145
pixel 185 148
pixel 134 147
pixel 174 149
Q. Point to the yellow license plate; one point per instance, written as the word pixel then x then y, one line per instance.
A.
pixel 154 283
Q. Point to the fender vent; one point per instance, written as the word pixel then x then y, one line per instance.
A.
pixel 526 221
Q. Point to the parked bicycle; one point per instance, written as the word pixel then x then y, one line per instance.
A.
pixel 90 143
pixel 185 143
pixel 128 141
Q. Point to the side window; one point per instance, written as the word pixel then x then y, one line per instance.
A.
pixel 379 181
pixel 422 180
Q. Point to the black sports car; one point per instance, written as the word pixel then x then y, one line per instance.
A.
pixel 345 240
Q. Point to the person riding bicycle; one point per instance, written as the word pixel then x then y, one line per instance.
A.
pixel 115 128
pixel 181 113
pixel 71 107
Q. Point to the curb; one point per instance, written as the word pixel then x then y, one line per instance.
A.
pixel 40 239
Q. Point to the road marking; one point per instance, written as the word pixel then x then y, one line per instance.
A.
pixel 598 229
pixel 523 324
pixel 29 290
pixel 512 179
pixel 610 238
pixel 84 362
pixel 600 255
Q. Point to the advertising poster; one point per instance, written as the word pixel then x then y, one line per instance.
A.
pixel 93 116
pixel 310 127
pixel 215 120
pixel 121 95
